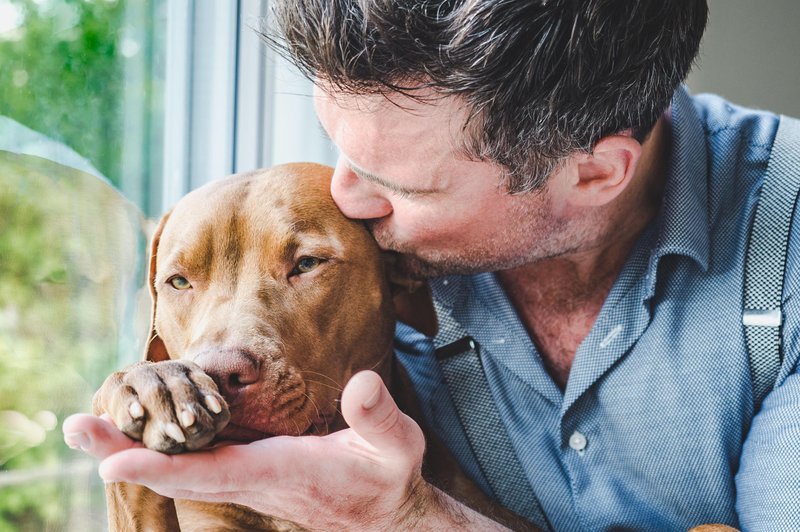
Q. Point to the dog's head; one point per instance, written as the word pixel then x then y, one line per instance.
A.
pixel 261 280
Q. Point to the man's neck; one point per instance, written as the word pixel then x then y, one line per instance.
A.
pixel 558 299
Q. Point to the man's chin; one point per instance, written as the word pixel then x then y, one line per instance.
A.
pixel 415 267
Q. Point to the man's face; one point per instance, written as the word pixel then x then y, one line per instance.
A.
pixel 401 169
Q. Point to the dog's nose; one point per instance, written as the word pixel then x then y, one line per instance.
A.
pixel 232 370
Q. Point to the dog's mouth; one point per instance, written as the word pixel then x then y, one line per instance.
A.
pixel 241 434
pixel 322 424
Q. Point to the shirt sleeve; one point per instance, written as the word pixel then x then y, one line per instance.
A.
pixel 768 481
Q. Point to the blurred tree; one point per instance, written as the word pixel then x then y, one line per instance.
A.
pixel 61 74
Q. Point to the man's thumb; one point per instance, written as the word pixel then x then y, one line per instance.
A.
pixel 371 412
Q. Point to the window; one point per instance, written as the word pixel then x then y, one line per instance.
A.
pixel 81 116
pixel 110 110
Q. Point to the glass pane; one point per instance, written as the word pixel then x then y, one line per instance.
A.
pixel 81 121
pixel 89 74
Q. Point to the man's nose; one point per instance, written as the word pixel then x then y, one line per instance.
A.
pixel 357 198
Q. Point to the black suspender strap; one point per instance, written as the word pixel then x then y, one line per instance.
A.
pixel 765 261
pixel 459 358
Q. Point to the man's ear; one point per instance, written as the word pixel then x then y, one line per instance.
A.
pixel 155 350
pixel 413 302
pixel 602 175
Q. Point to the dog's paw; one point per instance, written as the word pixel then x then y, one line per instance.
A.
pixel 170 406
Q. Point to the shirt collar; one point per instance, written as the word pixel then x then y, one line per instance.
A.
pixel 682 225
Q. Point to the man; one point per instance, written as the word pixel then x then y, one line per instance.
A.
pixel 549 144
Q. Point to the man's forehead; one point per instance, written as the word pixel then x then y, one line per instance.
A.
pixel 403 143
pixel 422 103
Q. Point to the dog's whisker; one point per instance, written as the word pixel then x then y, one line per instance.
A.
pixel 309 422
pixel 334 381
pixel 375 366
pixel 336 402
pixel 314 403
pixel 337 389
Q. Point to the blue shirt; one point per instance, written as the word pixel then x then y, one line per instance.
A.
pixel 655 430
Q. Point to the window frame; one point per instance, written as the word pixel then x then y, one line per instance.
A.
pixel 231 103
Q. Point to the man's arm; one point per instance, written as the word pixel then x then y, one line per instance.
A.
pixel 768 480
pixel 364 477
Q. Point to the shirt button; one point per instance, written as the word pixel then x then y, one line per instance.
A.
pixel 577 441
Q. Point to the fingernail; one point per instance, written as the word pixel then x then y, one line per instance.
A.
pixel 77 440
pixel 213 404
pixel 372 400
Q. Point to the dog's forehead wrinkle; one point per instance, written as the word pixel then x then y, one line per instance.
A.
pixel 319 244
pixel 306 226
pixel 172 264
pixel 192 243
pixel 335 242
pixel 230 244
pixel 266 193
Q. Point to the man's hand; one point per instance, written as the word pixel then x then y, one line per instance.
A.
pixel 364 477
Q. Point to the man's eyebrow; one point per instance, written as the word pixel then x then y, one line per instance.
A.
pixel 369 176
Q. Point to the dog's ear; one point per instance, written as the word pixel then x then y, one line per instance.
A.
pixel 155 350
pixel 413 302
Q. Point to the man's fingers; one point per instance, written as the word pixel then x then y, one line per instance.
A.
pixel 139 466
pixel 219 469
pixel 280 463
pixel 95 436
pixel 372 414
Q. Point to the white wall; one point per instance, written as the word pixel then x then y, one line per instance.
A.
pixel 751 54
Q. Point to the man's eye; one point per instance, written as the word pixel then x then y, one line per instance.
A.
pixel 180 283
pixel 306 264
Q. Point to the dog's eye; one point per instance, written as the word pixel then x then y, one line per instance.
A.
pixel 180 283
pixel 306 264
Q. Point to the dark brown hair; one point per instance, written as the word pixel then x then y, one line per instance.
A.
pixel 542 79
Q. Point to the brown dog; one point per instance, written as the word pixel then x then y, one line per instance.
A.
pixel 266 300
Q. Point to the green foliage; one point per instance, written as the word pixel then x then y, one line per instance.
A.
pixel 61 73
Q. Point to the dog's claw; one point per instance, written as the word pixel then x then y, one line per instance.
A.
pixel 213 404
pixel 174 431
pixel 187 418
pixel 136 410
